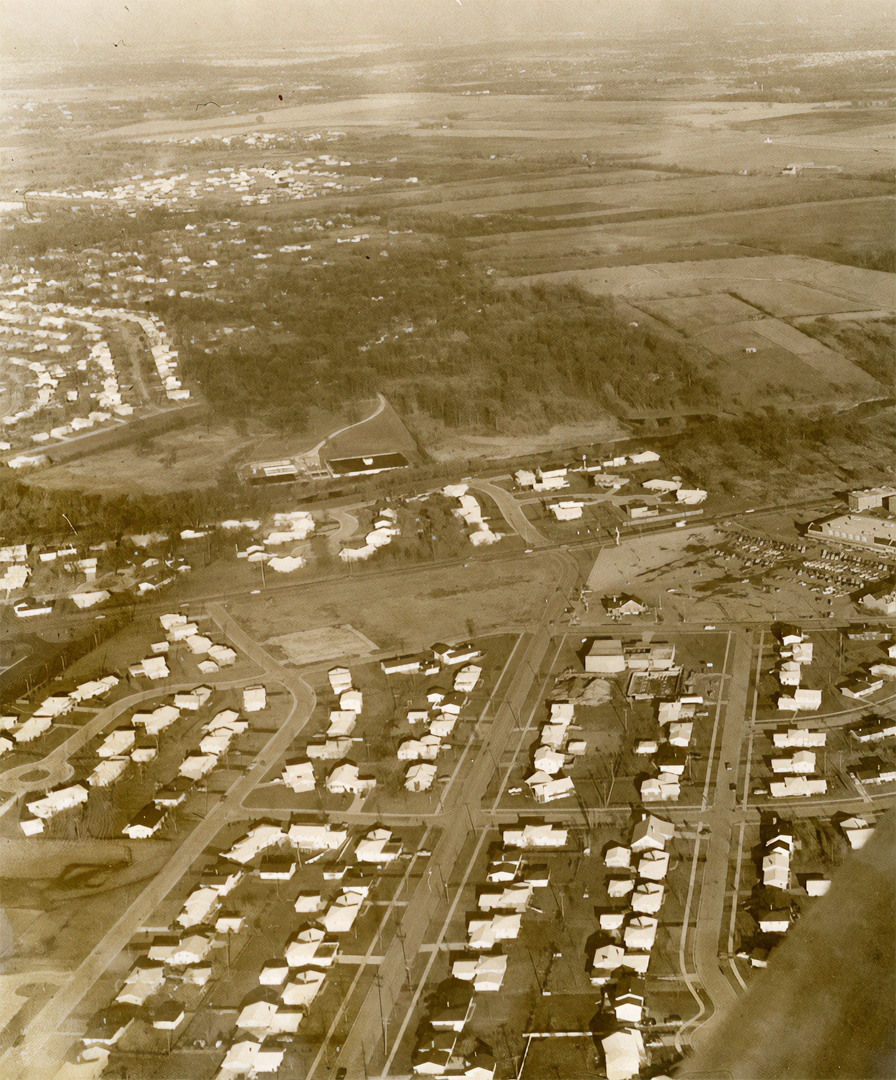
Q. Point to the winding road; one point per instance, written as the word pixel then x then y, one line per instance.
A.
pixel 512 512
pixel 44 1043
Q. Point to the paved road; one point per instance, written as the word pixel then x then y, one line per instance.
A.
pixel 348 526
pixel 151 607
pixel 376 412
pixel 719 818
pixel 56 763
pixel 42 1050
pixel 512 512
pixel 461 819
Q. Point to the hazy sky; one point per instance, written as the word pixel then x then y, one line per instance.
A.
pixel 33 29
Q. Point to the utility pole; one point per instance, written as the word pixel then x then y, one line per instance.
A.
pixel 400 934
pixel 378 979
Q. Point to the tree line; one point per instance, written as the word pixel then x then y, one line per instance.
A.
pixel 430 330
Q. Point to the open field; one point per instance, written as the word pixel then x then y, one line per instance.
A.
pixel 445 444
pixel 815 229
pixel 658 131
pixel 843 288
pixel 382 434
pixel 708 302
pixel 413 610
pixel 658 193
pixel 181 460
pixel 191 458
pixel 323 643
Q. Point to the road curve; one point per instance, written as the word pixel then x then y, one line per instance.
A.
pixel 56 765
pixel 39 1054
pixel 376 412
pixel 512 512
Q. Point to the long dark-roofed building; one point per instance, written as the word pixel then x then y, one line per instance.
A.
pixel 366 466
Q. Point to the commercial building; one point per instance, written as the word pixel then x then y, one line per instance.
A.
pixel 869 533
pixel 870 498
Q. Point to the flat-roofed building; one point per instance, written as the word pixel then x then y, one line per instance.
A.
pixel 854 530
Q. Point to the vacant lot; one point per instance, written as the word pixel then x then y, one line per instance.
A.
pixel 323 643
pixel 411 609
pixel 177 460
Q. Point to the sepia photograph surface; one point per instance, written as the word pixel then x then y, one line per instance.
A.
pixel 447 539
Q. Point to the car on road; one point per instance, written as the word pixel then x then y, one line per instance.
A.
pixel 728 766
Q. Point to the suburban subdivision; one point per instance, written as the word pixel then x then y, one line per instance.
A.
pixel 447 543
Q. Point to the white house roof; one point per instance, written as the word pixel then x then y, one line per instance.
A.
pixel 651 832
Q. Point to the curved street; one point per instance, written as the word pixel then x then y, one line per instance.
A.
pixel 512 511
pixel 44 1044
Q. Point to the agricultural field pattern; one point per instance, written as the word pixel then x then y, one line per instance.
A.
pixel 447 540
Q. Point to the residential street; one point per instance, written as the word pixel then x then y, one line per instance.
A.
pixel 718 818
pixel 512 511
pixel 43 1047
pixel 460 820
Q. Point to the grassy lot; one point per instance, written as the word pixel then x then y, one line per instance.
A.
pixel 802 229
pixel 412 609
pixel 383 434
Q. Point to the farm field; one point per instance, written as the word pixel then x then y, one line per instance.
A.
pixel 666 193
pixel 850 285
pixel 803 228
pixel 509 193
pixel 708 302
pixel 658 131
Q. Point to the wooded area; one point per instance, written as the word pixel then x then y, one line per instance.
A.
pixel 437 336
